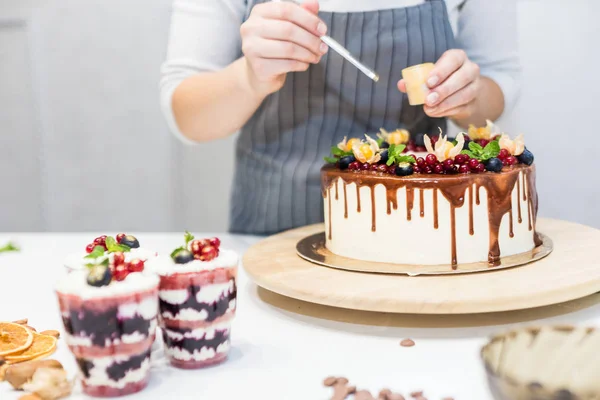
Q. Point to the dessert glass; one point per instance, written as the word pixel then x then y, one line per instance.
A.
pixel 110 331
pixel 197 305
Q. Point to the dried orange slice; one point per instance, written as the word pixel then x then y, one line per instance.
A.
pixel 14 338
pixel 41 347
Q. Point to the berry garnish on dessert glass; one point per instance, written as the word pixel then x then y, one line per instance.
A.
pixel 122 245
pixel 109 312
pixel 197 301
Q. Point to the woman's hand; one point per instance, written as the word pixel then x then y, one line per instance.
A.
pixel 281 37
pixel 455 85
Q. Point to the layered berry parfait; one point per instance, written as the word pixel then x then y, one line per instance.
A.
pixel 109 312
pixel 108 246
pixel 197 302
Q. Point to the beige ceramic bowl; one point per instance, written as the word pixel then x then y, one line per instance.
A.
pixel 547 363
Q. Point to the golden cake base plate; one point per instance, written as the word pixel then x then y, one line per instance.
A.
pixel 312 248
pixel 571 271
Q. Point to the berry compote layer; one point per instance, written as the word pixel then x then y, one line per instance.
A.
pixel 197 302
pixel 110 330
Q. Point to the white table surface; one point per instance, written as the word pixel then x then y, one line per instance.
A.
pixel 284 348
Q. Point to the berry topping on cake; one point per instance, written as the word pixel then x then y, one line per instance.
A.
pixel 444 155
pixel 99 275
pixel 404 169
pixel 120 237
pixel 345 161
pixel 494 165
pixel 399 136
pixel 384 156
pixel 130 241
pixel 196 249
pixel 526 157
pixel 354 166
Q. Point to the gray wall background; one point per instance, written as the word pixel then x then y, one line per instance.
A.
pixel 83 145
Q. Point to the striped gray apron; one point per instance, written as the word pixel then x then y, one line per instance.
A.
pixel 280 150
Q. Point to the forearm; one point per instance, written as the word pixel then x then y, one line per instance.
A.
pixel 214 105
pixel 488 104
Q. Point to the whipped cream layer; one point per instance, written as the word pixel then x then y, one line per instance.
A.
pixel 164 265
pixel 426 220
pixel 204 354
pixel 77 261
pixel 76 284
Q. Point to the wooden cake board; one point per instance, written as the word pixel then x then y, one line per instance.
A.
pixel 570 272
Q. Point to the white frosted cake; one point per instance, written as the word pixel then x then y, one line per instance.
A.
pixel 466 201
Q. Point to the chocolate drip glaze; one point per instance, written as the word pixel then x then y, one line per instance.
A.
pixel 357 197
pixel 373 215
pixel 336 191
pixel 214 309
pixel 421 203
pixel 471 229
pixel 410 200
pixel 101 326
pixel 329 200
pixel 519 218
pixel 435 210
pixel 499 187
pixel 345 202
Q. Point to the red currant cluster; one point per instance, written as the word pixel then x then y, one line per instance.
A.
pixel 412 147
pixel 205 249
pixel 358 166
pixel 461 164
pixel 99 241
pixel 506 158
pixel 121 268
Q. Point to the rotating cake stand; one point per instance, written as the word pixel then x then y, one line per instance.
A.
pixel 571 271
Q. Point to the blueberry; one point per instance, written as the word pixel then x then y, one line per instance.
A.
pixel 404 169
pixel 99 276
pixel 345 161
pixel 384 156
pixel 526 157
pixel 384 145
pixel 183 257
pixel 493 165
pixel 130 241
pixel 420 139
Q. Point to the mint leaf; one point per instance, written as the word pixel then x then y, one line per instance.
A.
pixel 330 160
pixel 103 262
pixel 380 142
pixel 97 252
pixel 9 247
pixel 406 159
pixel 475 147
pixel 491 150
pixel 112 245
pixel 395 153
pixel 336 151
pixel 469 153
pixel 188 237
pixel 177 250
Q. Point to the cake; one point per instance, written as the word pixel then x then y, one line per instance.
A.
pixel 109 312
pixel 197 302
pixel 431 201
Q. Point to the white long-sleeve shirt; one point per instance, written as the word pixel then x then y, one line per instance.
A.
pixel 205 36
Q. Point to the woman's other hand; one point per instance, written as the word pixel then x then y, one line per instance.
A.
pixel 455 84
pixel 281 37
